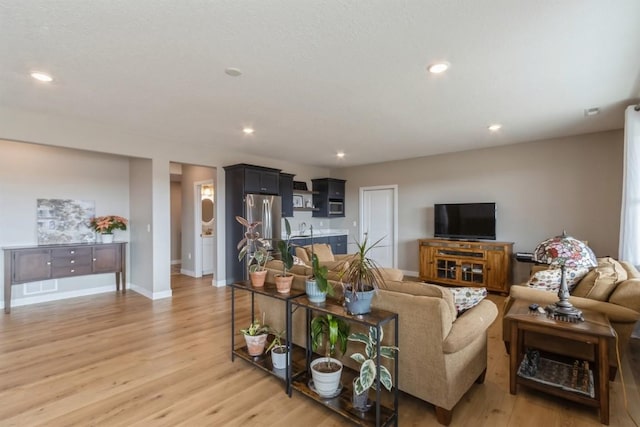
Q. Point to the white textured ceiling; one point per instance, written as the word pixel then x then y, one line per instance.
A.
pixel 323 76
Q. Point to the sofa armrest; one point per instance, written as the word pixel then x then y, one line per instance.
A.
pixel 627 294
pixel 469 326
pixel 616 313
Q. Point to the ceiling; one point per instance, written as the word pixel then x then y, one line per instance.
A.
pixel 320 77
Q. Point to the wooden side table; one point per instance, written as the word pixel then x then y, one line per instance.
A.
pixel 595 330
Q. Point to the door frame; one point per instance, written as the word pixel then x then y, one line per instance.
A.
pixel 394 188
pixel 197 223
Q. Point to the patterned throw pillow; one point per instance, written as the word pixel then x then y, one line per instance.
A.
pixel 549 280
pixel 466 298
pixel 298 261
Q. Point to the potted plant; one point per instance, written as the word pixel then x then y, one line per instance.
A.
pixel 361 278
pixel 256 337
pixel 252 247
pixel 284 280
pixel 368 367
pixel 326 371
pixel 106 224
pixel 278 350
pixel 316 286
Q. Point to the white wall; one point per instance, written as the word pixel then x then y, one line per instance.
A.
pixel 141 243
pixel 176 221
pixel 29 172
pixel 541 188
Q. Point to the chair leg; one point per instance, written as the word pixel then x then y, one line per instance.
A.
pixel 443 415
pixel 480 379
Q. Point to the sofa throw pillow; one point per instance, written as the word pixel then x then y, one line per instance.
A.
pixel 322 250
pixel 600 283
pixel 466 298
pixel 549 280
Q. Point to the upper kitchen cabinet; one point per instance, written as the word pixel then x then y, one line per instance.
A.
pixel 329 197
pixel 286 194
pixel 257 179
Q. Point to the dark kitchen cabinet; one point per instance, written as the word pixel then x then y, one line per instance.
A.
pixel 328 197
pixel 286 194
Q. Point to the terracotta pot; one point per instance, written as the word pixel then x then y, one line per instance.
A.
pixel 283 283
pixel 257 278
pixel 255 344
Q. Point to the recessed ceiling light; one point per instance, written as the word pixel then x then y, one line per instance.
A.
pixel 591 111
pixel 438 67
pixel 495 127
pixel 247 130
pixel 233 72
pixel 340 154
pixel 42 77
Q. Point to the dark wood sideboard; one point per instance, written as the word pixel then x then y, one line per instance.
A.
pixel 23 264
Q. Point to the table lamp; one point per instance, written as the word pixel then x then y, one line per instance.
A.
pixel 564 251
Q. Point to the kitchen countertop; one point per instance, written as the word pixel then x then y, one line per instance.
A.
pixel 318 233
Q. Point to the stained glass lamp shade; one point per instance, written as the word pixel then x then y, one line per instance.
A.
pixel 564 251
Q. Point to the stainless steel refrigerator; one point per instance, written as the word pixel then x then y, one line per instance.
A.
pixel 266 209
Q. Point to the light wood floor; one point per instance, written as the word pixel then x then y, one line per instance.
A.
pixel 123 360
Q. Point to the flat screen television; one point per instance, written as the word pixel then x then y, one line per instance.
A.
pixel 465 221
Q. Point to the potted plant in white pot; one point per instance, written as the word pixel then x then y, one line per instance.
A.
pixel 279 353
pixel 252 247
pixel 361 278
pixel 105 225
pixel 256 337
pixel 368 367
pixel 316 286
pixel 284 280
pixel 326 371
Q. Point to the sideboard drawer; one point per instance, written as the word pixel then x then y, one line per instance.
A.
pixel 70 252
pixel 70 270
pixel 84 260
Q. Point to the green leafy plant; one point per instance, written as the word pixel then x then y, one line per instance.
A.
pixel 330 331
pixel 284 246
pixel 368 368
pixel 278 339
pixel 362 273
pixel 319 273
pixel 252 246
pixel 255 328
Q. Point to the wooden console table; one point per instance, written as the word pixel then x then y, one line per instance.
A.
pixel 23 264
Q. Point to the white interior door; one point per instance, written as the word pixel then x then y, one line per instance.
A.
pixel 378 213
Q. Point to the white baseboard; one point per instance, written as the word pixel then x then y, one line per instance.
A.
pixel 176 261
pixel 189 273
pixel 59 296
pixel 218 283
pixel 151 295
pixel 411 273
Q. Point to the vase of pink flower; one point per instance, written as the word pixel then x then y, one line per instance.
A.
pixel 106 224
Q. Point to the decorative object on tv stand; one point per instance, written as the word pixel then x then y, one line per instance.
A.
pixel 106 224
pixel 564 251
pixel 284 280
pixel 368 367
pixel 326 371
pixel 361 278
pixel 252 246
pixel 316 286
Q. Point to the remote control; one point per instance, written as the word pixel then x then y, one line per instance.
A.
pixel 533 307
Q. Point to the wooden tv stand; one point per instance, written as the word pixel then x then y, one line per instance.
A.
pixel 466 263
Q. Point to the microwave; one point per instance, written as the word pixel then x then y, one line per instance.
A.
pixel 336 207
